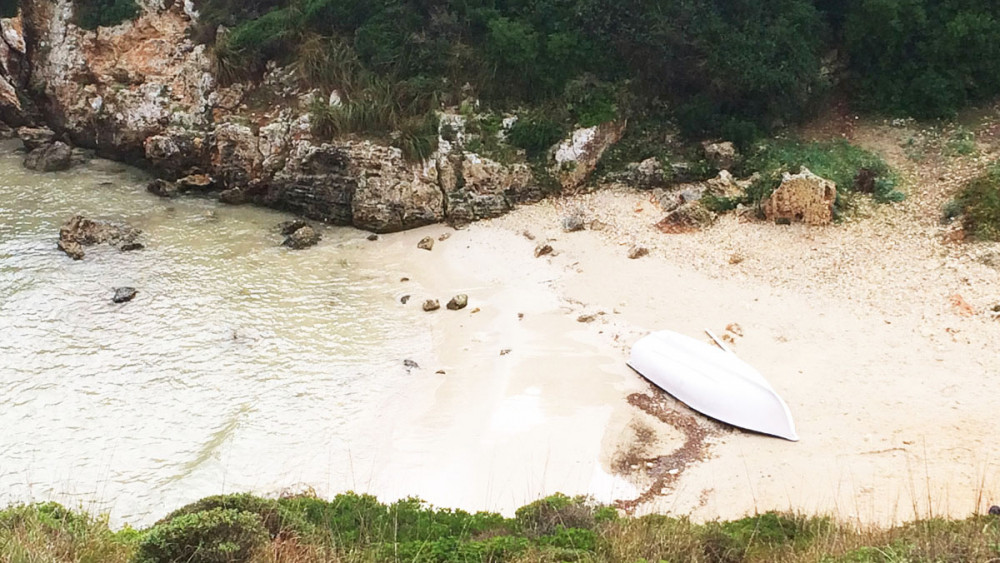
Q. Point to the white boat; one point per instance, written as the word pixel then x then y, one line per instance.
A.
pixel 713 382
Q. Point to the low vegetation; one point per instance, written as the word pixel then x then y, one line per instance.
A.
pixel 977 205
pixel 91 14
pixel 358 528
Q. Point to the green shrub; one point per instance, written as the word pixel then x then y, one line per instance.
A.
pixel 219 535
pixel 978 203
pixel 266 509
pixel 548 515
pixel 536 132
pixel 852 168
pixel 91 14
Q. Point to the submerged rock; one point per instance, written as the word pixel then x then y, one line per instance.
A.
pixel 123 294
pixel 162 188
pixel 458 302
pixel 80 231
pixel 303 237
pixel 50 158
pixel 288 227
pixel 196 183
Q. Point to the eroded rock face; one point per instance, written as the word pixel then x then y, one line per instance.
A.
pixel 576 157
pixel 35 137
pixel 391 194
pixel 802 198
pixel 80 231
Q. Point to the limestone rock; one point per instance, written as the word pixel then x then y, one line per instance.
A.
pixel 162 188
pixel 233 196
pixel 573 222
pixel 79 231
pixel 724 185
pixel 431 305
pixel 648 174
pixel 802 198
pixel 196 183
pixel 458 302
pixel 426 243
pixel 686 218
pixel 576 157
pixel 721 155
pixel 477 188
pixel 542 250
pixel 637 252
pixel 123 294
pixel 288 227
pixel 303 237
pixel 35 137
pixel 50 158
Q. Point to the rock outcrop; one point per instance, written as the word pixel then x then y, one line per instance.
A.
pixel 50 158
pixel 576 157
pixel 143 92
pixel 802 198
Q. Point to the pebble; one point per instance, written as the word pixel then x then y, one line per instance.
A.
pixel 431 305
pixel 542 250
pixel 123 294
pixel 426 243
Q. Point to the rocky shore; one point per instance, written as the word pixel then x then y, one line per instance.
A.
pixel 144 93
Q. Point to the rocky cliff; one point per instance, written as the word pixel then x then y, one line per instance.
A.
pixel 143 92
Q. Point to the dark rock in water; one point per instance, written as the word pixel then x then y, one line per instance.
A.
pixel 123 294
pixel 404 299
pixel 458 302
pixel 288 227
pixel 995 510
pixel 196 183
pixel 426 243
pixel 129 246
pixel 431 305
pixel 50 158
pixel 373 237
pixel 233 196
pixel 303 237
pixel 34 137
pixel 80 231
pixel 410 364
pixel 162 188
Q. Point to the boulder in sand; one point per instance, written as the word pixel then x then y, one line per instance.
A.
pixel 802 198
pixel 458 302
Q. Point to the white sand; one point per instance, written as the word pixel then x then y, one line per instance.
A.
pixel 895 392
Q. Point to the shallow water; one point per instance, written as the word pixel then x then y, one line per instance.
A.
pixel 240 365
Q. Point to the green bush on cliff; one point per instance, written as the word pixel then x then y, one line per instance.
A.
pixel 9 8
pixel 91 14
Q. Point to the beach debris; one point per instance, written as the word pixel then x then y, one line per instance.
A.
pixel 404 299
pixel 458 302
pixel 373 237
pixel 735 329
pixel 476 310
pixel 736 258
pixel 589 318
pixel 527 235
pixel 637 252
pixel 505 351
pixel 802 198
pixel 404 279
pixel 426 243
pixel 303 237
pixel 410 364
pixel 123 294
pixel 573 222
pixel 440 372
pixel 961 306
pixel 444 236
pixel 542 250
pixel 995 510
pixel 520 316
pixel 431 305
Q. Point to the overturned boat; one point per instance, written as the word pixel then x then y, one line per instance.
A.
pixel 713 382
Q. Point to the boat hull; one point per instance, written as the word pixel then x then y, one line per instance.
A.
pixel 713 382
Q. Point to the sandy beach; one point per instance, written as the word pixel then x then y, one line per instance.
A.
pixel 877 332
